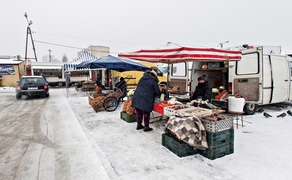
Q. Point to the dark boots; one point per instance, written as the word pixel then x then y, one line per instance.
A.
pixel 147 129
pixel 140 127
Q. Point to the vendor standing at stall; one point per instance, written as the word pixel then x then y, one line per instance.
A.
pixel 203 90
pixel 122 85
pixel 144 98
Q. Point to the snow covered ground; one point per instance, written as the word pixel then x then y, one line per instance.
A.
pixel 262 148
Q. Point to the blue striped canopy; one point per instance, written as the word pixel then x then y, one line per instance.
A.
pixel 84 57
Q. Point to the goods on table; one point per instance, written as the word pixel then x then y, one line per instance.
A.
pixel 127 108
pixel 170 110
pixel 214 117
pixel 197 111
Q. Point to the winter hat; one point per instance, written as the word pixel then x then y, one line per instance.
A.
pixel 201 78
pixel 154 72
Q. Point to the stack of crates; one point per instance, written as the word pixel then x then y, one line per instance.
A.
pixel 220 139
pixel 176 146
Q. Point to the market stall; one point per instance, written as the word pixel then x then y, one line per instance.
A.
pixel 207 132
pixel 110 100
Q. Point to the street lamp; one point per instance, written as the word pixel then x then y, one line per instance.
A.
pixel 50 58
pixel 28 32
pixel 221 44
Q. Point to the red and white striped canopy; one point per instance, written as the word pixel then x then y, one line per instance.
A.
pixel 179 54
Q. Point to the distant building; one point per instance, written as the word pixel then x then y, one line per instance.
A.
pixel 97 51
pixel 12 68
pixel 47 58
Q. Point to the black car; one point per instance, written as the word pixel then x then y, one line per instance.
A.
pixel 32 86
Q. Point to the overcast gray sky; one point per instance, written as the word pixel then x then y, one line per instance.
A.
pixel 129 25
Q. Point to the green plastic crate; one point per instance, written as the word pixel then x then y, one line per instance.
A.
pixel 179 148
pixel 220 150
pixel 217 138
pixel 128 118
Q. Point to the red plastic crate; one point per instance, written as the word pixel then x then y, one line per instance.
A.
pixel 159 107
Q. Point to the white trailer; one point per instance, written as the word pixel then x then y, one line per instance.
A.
pixel 55 73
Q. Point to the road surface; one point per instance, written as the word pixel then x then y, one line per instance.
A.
pixel 42 139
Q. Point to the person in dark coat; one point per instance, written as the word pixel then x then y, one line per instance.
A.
pixel 203 90
pixel 144 98
pixel 122 85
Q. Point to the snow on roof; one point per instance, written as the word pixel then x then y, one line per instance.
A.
pixel 10 61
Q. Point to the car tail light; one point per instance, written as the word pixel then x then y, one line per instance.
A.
pixel 46 86
pixel 18 88
pixel 229 88
pixel 111 81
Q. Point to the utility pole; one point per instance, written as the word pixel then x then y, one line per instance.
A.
pixel 50 58
pixel 28 32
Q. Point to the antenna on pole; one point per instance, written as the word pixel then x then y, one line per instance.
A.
pixel 29 32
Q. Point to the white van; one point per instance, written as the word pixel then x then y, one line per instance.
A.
pixel 260 78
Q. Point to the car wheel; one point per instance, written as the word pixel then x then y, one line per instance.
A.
pixel 47 95
pixel 250 108
pixel 18 96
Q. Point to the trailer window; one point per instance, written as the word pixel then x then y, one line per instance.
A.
pixel 249 64
pixel 290 65
pixel 178 69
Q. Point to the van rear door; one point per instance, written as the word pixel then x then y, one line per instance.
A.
pixel 280 78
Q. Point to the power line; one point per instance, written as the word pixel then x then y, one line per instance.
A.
pixel 72 47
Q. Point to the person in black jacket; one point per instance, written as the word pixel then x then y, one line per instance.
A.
pixel 203 90
pixel 144 98
pixel 122 85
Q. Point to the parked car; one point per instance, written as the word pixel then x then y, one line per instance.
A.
pixel 32 86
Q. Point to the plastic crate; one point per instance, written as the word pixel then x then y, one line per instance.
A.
pixel 168 111
pixel 128 118
pixel 217 126
pixel 218 151
pixel 217 138
pixel 159 107
pixel 179 148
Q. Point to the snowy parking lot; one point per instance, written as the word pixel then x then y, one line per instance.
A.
pixel 64 138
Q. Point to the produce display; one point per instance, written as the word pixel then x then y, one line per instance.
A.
pixel 97 101
pixel 214 117
pixel 127 108
pixel 164 104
